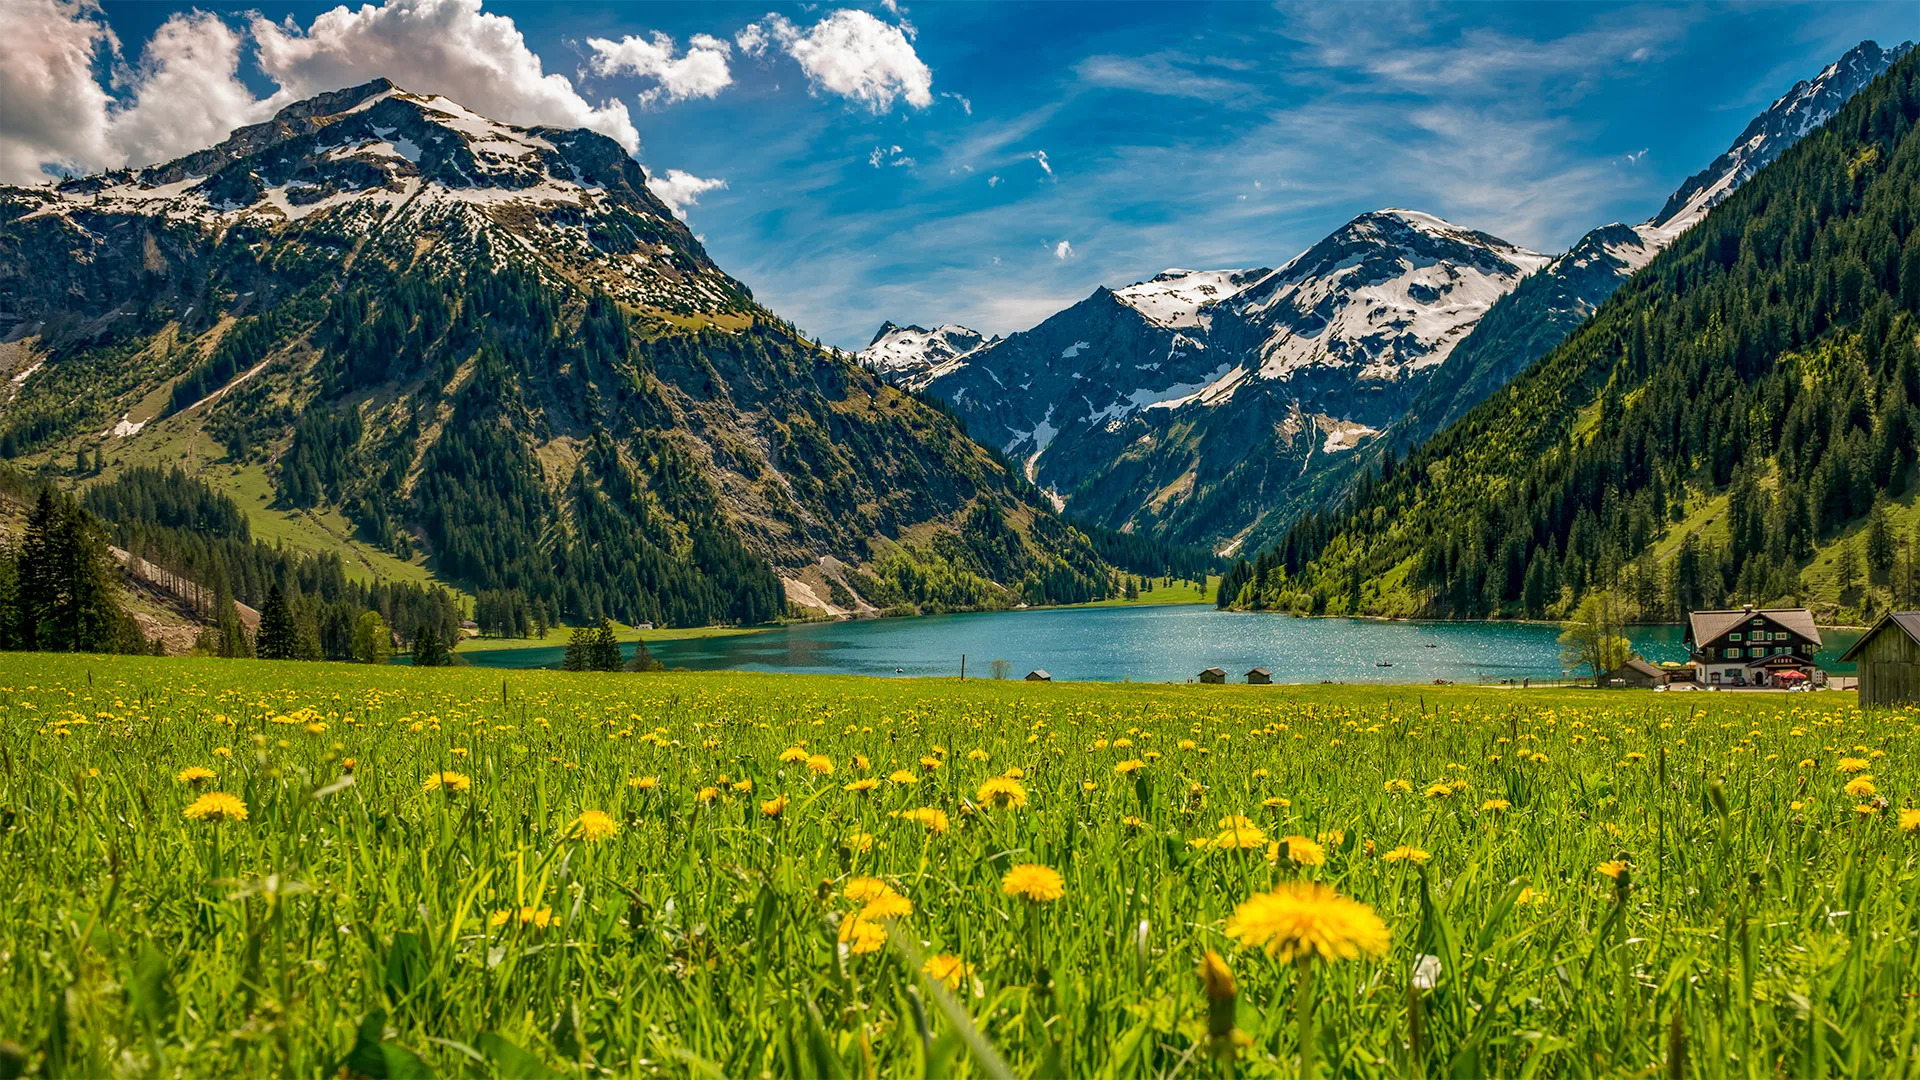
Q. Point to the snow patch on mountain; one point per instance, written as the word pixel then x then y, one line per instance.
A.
pixel 1176 297
pixel 914 356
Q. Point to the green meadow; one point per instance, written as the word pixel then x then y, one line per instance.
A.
pixel 249 868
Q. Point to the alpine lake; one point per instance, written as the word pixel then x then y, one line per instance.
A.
pixel 1146 643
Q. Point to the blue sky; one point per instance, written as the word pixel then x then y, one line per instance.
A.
pixel 1046 149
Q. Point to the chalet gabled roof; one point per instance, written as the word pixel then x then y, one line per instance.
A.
pixel 1641 666
pixel 1704 626
pixel 1908 621
pixel 1259 671
pixel 1214 671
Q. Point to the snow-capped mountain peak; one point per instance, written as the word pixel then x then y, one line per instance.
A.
pixel 375 157
pixel 1174 297
pixel 1810 103
pixel 1388 293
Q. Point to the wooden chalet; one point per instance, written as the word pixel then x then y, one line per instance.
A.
pixel 1259 677
pixel 1214 675
pixel 1039 675
pixel 1889 660
pixel 1752 646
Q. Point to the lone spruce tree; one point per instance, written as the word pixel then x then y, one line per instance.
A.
pixel 276 639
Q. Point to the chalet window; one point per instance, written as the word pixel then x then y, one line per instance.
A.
pixel 1734 637
pixel 1731 654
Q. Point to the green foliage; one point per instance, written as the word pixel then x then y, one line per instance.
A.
pixel 372 639
pixel 59 587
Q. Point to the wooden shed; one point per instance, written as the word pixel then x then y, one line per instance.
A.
pixel 1259 677
pixel 1889 660
pixel 1635 673
pixel 1039 675
pixel 1214 675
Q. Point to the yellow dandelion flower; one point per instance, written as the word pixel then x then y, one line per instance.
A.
pixel 216 806
pixel 934 820
pixel 773 808
pixel 1040 884
pixel 948 969
pixel 538 918
pixel 194 775
pixel 862 785
pixel 1909 820
pixel 1407 853
pixel 1613 868
pixel 1133 823
pixel 1300 851
pixel 820 765
pixel 792 753
pixel 1131 765
pixel 861 936
pixel 888 905
pixel 1531 895
pixel 593 826
pixel 1399 787
pixel 1003 793
pixel 929 763
pixel 1015 772
pixel 1851 765
pixel 976 754
pixel 1438 791
pixel 1241 838
pixel 859 843
pixel 1867 809
pixel 1861 787
pixel 644 783
pixel 1496 805
pixel 223 751
pixel 452 783
pixel 707 794
pixel 862 889
pixel 1307 920
pixel 902 776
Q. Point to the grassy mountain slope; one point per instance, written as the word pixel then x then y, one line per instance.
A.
pixel 1769 360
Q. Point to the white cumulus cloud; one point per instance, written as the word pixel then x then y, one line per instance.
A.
pixel 447 47
pixel 183 92
pixel 700 72
pixel 680 189
pixel 850 53
pixel 1041 157
pixel 1063 250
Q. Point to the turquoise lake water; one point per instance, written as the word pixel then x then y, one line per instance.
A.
pixel 1146 644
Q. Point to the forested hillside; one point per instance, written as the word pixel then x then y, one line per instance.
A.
pixel 490 353
pixel 1738 423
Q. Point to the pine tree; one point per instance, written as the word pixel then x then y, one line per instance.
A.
pixel 66 581
pixel 277 636
pixel 603 651
pixel 429 648
pixel 643 659
pixel 1846 566
pixel 1880 544
pixel 577 645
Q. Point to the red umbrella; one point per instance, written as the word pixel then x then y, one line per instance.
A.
pixel 1791 675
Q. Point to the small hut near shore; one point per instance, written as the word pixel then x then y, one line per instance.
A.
pixel 1039 675
pixel 1889 660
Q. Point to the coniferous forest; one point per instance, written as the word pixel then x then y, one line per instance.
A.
pixel 1748 399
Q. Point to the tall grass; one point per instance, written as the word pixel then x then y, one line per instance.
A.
pixel 1761 922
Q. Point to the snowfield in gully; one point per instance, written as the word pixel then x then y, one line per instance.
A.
pixel 238 868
